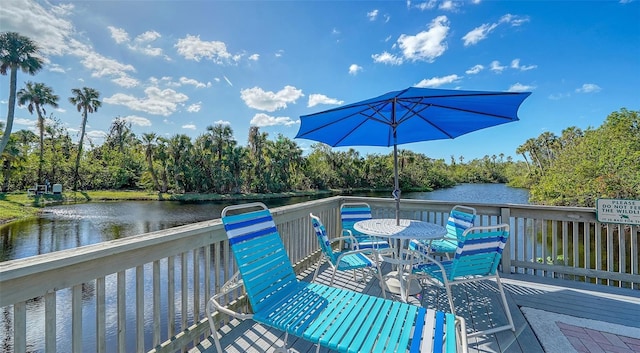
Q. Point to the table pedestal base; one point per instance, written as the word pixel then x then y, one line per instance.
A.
pixel 393 284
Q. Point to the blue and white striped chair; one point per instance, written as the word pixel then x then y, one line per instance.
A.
pixel 335 318
pixel 476 258
pixel 352 212
pixel 343 260
pixel 460 219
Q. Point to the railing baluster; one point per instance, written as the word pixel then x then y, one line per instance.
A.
pixel 101 315
pixel 20 327
pixel 76 321
pixel 196 288
pixel 140 309
pixel 184 291
pixel 622 255
pixel 156 303
pixel 171 296
pixel 122 312
pixel 50 322
pixel 575 243
pixel 610 251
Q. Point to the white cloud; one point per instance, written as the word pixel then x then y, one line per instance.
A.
pixel 257 98
pixel 126 81
pixel 157 102
pixel 194 108
pixel 438 81
pixel 49 27
pixel 515 64
pixel 354 69
pixel 189 126
pixel 221 122
pixel 425 5
pixel 103 66
pixel 519 87
pixel 449 5
pixel 56 68
pixel 315 99
pixel 479 33
pixel 372 15
pixel 190 81
pixel 496 67
pixel 475 69
pixel 228 81
pixel 589 88
pixel 137 120
pixel 426 45
pixel 263 120
pixel 513 20
pixel 386 58
pixel 193 48
pixel 254 57
pixel 118 34
pixel 24 121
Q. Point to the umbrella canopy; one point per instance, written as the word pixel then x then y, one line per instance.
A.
pixel 410 115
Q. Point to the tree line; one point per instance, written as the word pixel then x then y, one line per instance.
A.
pixel 572 169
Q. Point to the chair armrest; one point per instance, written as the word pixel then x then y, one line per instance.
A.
pixel 417 257
pixel 213 305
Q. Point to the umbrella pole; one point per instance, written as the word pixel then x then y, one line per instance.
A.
pixel 396 190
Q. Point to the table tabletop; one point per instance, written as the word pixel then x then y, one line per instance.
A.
pixel 408 228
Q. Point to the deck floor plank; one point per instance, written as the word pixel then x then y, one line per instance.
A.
pixel 478 303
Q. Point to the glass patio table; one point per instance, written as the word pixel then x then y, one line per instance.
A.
pixel 401 234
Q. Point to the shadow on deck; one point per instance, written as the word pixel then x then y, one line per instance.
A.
pixel 479 304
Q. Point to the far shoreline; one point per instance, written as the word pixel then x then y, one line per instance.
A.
pixel 18 206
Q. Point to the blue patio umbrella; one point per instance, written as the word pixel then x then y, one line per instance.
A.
pixel 410 115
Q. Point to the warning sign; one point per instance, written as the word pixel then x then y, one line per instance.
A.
pixel 618 211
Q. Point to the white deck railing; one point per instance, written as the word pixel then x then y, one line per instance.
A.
pixel 144 293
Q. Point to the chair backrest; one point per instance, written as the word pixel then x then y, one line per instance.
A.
pixel 479 251
pixel 259 252
pixel 352 212
pixel 323 239
pixel 460 219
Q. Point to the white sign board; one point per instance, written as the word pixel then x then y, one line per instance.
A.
pixel 618 211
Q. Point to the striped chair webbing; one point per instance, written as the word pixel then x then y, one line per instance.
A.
pixel 458 222
pixel 260 255
pixel 351 214
pixel 478 254
pixel 323 239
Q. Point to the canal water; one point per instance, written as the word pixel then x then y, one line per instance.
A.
pixel 69 226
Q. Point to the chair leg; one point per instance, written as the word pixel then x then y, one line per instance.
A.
pixel 447 286
pixel 333 276
pixel 505 304
pixel 315 274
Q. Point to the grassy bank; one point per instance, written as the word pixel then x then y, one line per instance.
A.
pixel 14 206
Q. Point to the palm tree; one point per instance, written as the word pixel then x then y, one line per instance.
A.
pixel 149 140
pixel 86 100
pixel 38 95
pixel 16 52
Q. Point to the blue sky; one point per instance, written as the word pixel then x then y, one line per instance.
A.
pixel 175 67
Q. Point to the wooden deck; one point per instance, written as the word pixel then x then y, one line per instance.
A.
pixel 478 303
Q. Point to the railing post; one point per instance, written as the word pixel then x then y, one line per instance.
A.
pixel 505 217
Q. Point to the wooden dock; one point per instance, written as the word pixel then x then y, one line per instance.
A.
pixel 478 304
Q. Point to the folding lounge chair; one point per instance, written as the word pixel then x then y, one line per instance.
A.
pixel 343 260
pixel 460 219
pixel 352 212
pixel 476 258
pixel 339 319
